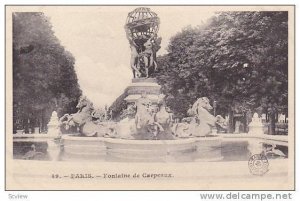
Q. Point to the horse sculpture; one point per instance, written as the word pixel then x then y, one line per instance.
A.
pixel 86 121
pixel 85 109
pixel 199 124
pixel 148 120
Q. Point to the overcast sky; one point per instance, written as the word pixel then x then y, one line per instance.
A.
pixel 96 38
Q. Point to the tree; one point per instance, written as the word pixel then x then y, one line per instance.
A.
pixel 239 59
pixel 44 78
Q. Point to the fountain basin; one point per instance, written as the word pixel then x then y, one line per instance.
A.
pixel 225 147
pixel 77 147
pixel 113 149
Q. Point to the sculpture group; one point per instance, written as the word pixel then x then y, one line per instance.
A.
pixel 143 119
pixel 141 31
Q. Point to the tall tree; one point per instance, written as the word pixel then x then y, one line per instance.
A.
pixel 44 78
pixel 239 59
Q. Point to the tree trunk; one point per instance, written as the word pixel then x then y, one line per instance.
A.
pixel 231 125
pixel 245 123
pixel 272 124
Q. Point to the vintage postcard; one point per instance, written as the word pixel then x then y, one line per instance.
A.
pixel 150 97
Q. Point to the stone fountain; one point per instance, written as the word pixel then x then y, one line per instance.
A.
pixel 145 130
pixel 256 126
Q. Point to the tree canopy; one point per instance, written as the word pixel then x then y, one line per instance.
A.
pixel 44 78
pixel 239 59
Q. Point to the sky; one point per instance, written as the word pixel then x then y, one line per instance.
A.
pixel 96 38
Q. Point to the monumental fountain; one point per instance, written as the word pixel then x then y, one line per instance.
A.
pixel 146 131
pixel 93 142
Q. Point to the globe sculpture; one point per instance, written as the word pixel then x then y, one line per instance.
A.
pixel 141 28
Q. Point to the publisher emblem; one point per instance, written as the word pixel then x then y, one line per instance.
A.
pixel 258 164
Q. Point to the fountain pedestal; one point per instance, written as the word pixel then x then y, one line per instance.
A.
pixel 256 126
pixel 53 142
pixel 139 86
pixel 133 92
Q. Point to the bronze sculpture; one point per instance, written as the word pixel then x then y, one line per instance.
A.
pixel 141 29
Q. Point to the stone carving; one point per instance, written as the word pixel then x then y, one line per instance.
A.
pixel 143 115
pixel 200 121
pixel 183 129
pixel 89 121
pixel 32 153
pixel 143 118
pixel 53 125
pixel 134 60
pixel 256 126
pixel 163 118
pixel 99 115
pixel 141 30
pixel 271 150
pixel 222 124
pixel 127 126
pixel 151 118
pixel 84 114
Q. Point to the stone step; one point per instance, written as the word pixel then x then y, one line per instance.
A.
pixel 132 90
pixel 135 97
pixel 149 80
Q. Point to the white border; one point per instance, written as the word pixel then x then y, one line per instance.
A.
pixel 124 195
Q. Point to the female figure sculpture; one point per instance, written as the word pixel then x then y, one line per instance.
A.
pixel 141 30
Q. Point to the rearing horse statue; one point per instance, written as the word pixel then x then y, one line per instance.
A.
pixel 200 122
pixel 83 120
pixel 85 109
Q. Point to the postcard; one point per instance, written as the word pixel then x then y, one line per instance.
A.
pixel 150 97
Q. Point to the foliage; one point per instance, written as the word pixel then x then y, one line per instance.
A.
pixel 239 59
pixel 44 78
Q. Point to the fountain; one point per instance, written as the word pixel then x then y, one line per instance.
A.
pixel 145 130
pixel 93 148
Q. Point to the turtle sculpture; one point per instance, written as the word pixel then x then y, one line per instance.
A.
pixel 141 28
